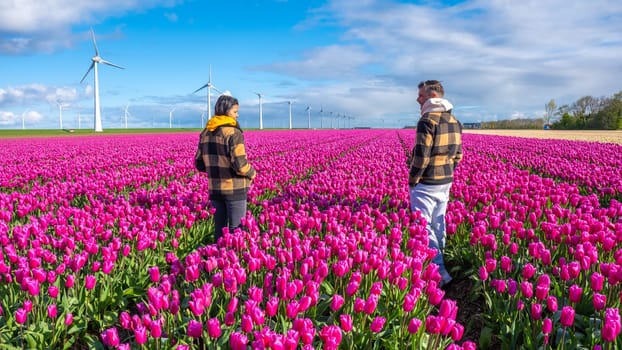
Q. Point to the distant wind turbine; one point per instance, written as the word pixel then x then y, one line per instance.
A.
pixel 126 114
pixel 24 120
pixel 94 66
pixel 309 115
pixel 260 111
pixel 170 117
pixel 321 117
pixel 60 113
pixel 202 122
pixel 290 113
pixel 209 87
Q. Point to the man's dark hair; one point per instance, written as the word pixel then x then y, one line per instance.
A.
pixel 224 104
pixel 433 85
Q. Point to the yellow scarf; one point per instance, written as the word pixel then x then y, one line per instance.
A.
pixel 220 120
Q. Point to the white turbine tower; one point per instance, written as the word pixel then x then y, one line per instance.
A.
pixel 321 117
pixel 290 113
pixel 170 117
pixel 24 120
pixel 60 113
pixel 126 114
pixel 202 122
pixel 309 115
pixel 209 87
pixel 260 111
pixel 94 66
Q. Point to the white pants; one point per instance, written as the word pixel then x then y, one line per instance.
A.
pixel 431 201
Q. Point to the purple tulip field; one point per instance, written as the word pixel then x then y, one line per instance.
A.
pixel 106 243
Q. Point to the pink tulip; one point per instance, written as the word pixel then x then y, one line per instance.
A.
pixel 154 274
pixel 536 311
pixel 21 316
pixel 337 302
pixel 238 341
pixel 551 303
pixel 547 326
pixel 575 293
pixel 213 328
pixel 567 316
pixel 272 306
pixel 195 329
pixel 599 301
pixel 140 334
pixel 413 325
pixel 377 324
pixel 596 281
pixel 68 319
pixel 612 325
pixel 345 321
pixel 52 311
pixel 457 331
pixel 110 337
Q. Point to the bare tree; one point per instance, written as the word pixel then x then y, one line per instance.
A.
pixel 550 110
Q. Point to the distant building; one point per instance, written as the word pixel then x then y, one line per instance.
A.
pixel 472 125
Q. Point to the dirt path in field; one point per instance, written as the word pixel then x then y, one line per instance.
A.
pixel 610 136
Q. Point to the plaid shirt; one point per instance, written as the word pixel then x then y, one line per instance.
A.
pixel 437 151
pixel 229 173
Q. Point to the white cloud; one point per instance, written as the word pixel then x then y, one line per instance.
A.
pixel 12 119
pixel 38 93
pixel 171 17
pixel 45 25
pixel 502 56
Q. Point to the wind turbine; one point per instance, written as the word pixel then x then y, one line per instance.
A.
pixel 209 87
pixel 290 113
pixel 260 111
pixel 202 122
pixel 309 115
pixel 170 117
pixel 94 65
pixel 60 113
pixel 321 117
pixel 24 119
pixel 126 114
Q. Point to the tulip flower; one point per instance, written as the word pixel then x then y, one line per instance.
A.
pixel 413 325
pixel 52 311
pixel 21 316
pixel 337 302
pixel 345 321
pixel 110 337
pixel 599 301
pixel 213 328
pixel 377 324
pixel 68 319
pixel 567 316
pixel 612 325
pixel 195 329
pixel 575 293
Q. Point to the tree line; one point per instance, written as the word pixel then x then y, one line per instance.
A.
pixel 596 113
pixel 587 113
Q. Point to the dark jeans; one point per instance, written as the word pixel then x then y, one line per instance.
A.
pixel 228 214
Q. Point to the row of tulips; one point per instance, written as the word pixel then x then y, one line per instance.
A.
pixel 82 219
pixel 593 166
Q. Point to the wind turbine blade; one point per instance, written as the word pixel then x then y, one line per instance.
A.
pixel 111 64
pixel 87 72
pixel 213 87
pixel 201 88
pixel 94 42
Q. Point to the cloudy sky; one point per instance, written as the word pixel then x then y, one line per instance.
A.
pixel 363 59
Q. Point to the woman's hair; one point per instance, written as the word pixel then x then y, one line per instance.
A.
pixel 224 104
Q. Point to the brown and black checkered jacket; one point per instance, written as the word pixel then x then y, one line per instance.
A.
pixel 229 173
pixel 437 151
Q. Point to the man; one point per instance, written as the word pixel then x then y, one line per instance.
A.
pixel 437 151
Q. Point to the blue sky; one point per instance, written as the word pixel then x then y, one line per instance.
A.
pixel 497 59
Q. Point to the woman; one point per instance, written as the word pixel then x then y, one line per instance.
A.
pixel 221 146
